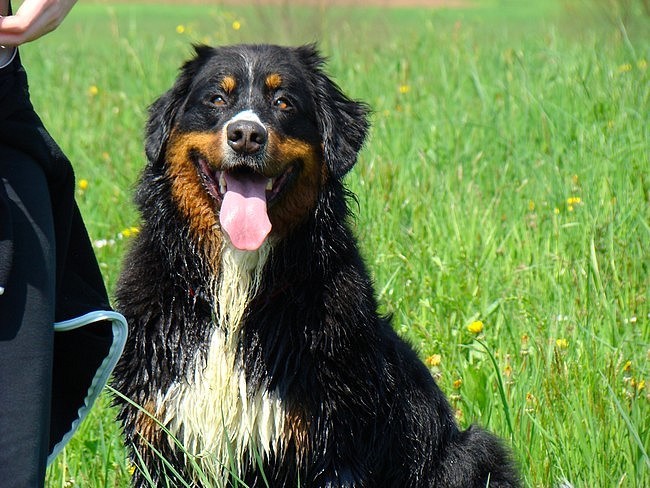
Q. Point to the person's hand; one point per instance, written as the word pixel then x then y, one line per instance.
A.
pixel 34 19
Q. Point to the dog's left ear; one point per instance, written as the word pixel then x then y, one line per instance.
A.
pixel 343 122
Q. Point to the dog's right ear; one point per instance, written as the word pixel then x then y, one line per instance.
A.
pixel 163 112
pixel 161 119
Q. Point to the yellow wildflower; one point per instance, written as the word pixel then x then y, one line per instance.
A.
pixel 562 343
pixel 627 367
pixel 180 29
pixel 130 232
pixel 433 360
pixel 236 25
pixel 531 206
pixel 475 327
pixel 624 68
pixel 507 371
pixel 83 185
pixel 573 201
pixel 457 384
pixel 404 89
pixel 93 90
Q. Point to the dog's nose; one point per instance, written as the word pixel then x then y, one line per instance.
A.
pixel 246 136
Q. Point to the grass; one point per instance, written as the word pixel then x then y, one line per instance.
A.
pixel 506 181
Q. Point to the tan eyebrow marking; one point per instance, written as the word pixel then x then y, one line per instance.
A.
pixel 228 84
pixel 273 81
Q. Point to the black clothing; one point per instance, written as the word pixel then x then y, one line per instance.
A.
pixel 49 280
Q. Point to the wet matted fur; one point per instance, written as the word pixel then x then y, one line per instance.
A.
pixel 254 332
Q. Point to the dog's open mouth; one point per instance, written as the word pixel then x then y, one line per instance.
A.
pixel 245 196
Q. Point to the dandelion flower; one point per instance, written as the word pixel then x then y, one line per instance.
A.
pixel 433 360
pixel 627 367
pixel 129 232
pixel 93 91
pixel 475 327
pixel 457 384
pixel 180 29
pixel 562 343
pixel 571 201
pixel 236 25
pixel 403 89
pixel 83 185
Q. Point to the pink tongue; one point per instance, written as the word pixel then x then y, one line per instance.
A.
pixel 243 211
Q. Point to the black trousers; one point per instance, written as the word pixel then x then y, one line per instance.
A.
pixel 48 273
pixel 26 325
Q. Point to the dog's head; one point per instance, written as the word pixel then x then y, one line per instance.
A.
pixel 249 135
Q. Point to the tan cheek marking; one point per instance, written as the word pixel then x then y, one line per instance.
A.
pixel 273 81
pixel 228 84
pixel 188 191
pixel 296 203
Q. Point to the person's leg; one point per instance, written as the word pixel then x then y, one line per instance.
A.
pixel 26 325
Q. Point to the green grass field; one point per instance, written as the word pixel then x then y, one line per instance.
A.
pixel 504 201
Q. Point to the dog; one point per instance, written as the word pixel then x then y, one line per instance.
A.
pixel 256 353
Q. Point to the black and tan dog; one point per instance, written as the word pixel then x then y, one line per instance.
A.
pixel 255 338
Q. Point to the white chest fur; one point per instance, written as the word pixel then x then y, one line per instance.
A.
pixel 211 412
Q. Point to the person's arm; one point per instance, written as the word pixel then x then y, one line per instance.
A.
pixel 6 53
pixel 32 20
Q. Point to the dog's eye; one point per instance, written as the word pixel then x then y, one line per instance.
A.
pixel 282 103
pixel 219 101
